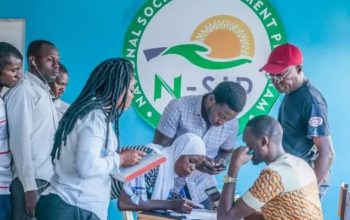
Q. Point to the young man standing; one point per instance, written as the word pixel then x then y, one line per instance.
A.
pixel 303 112
pixel 58 87
pixel 32 125
pixel 213 118
pixel 11 62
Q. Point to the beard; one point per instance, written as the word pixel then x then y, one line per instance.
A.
pixel 256 161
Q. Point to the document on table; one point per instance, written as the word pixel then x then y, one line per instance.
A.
pixel 197 214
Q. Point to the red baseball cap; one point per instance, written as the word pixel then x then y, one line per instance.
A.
pixel 281 57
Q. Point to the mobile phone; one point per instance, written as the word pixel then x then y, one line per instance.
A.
pixel 213 194
pixel 221 165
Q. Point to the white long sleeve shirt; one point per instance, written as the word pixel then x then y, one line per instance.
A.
pixel 61 107
pixel 5 154
pixel 82 174
pixel 32 122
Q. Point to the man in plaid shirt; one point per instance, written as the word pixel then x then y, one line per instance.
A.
pixel 212 117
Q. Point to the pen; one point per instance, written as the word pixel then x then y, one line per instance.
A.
pixel 195 204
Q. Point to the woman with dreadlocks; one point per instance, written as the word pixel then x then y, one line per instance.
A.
pixel 85 151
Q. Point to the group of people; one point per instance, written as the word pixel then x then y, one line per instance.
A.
pixel 64 157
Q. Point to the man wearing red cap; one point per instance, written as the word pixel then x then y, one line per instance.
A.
pixel 303 112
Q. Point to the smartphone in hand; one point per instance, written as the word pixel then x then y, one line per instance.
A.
pixel 220 165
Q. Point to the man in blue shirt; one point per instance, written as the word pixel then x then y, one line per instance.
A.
pixel 303 112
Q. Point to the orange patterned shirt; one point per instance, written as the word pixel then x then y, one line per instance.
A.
pixel 286 190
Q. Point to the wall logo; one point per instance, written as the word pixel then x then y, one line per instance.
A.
pixel 187 47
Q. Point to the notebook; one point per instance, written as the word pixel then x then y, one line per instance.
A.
pixel 149 162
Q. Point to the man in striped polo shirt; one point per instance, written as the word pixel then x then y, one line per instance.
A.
pixel 11 62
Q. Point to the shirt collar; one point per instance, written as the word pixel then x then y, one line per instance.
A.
pixel 198 106
pixel 35 80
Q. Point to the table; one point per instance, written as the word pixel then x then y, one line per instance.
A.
pixel 195 214
pixel 147 215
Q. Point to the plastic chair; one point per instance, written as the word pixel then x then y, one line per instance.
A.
pixel 344 202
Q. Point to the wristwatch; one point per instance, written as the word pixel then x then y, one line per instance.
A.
pixel 228 179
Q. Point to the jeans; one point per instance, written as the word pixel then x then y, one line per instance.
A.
pixel 5 207
pixel 17 198
pixel 52 207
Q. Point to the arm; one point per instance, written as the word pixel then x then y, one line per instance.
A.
pixel 318 131
pixel 92 158
pixel 217 165
pixel 222 158
pixel 20 118
pixel 226 148
pixel 124 203
pixel 161 139
pixel 168 124
pixel 89 161
pixel 224 154
pixel 239 209
pixel 326 155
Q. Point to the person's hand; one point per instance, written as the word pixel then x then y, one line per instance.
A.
pixel 30 200
pixel 131 157
pixel 240 156
pixel 220 164
pixel 208 166
pixel 181 205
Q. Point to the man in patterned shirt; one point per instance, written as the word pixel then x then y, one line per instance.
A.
pixel 213 118
pixel 286 189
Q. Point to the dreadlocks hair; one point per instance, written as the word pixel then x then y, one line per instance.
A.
pixel 107 82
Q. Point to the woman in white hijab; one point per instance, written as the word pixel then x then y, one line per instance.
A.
pixel 187 151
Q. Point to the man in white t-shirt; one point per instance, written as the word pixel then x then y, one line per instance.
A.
pixel 11 62
pixel 32 123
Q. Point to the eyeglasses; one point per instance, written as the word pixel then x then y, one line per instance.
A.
pixel 277 78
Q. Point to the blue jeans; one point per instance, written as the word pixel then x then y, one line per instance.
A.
pixel 52 207
pixel 17 198
pixel 5 204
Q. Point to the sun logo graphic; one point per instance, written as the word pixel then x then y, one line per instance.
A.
pixel 183 47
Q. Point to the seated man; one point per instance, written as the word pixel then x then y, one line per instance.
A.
pixel 286 189
pixel 152 190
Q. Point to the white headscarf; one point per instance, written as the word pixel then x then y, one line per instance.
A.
pixel 186 144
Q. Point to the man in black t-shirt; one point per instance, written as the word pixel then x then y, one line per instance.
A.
pixel 303 112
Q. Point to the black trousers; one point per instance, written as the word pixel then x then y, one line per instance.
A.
pixel 52 207
pixel 17 198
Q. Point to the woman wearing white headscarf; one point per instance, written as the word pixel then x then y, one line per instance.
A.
pixel 187 151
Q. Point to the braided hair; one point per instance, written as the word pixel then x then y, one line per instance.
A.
pixel 107 82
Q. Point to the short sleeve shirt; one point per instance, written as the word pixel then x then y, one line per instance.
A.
pixel 303 114
pixel 184 116
pixel 286 189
